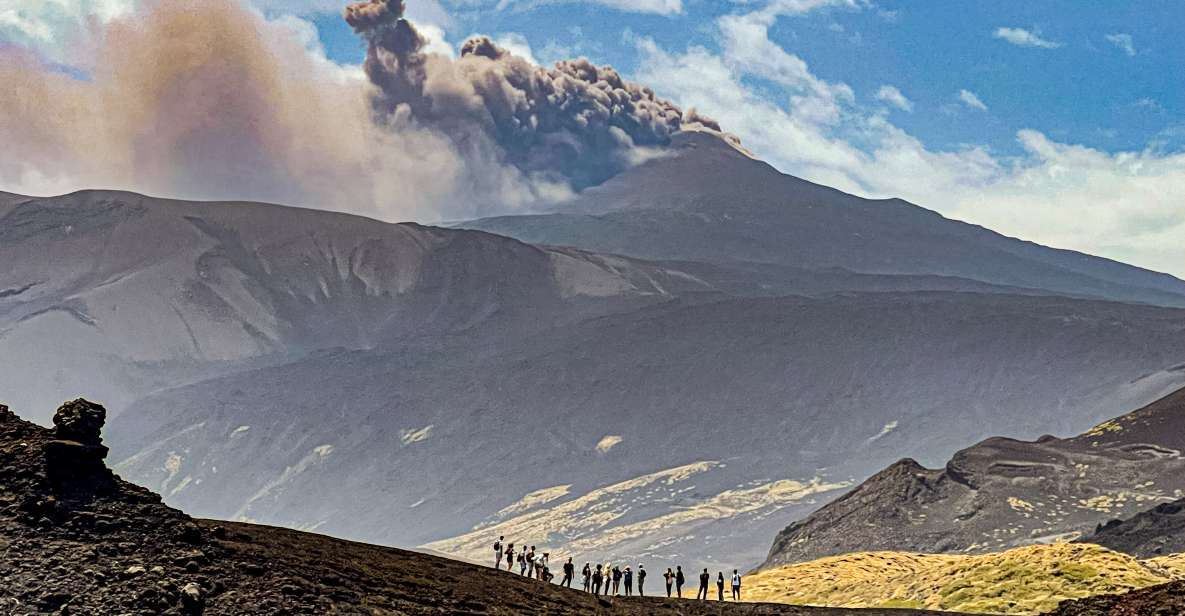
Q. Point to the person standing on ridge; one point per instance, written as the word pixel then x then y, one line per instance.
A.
pixel 704 578
pixel 498 553
pixel 569 572
pixel 679 579
pixel 670 578
pixel 628 578
pixel 719 585
pixel 616 580
pixel 598 579
pixel 641 580
pixel 736 585
pixel 509 556
pixel 531 562
pixel 522 562
pixel 586 573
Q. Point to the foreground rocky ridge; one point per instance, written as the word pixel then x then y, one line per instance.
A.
pixel 1003 493
pixel 1163 600
pixel 75 539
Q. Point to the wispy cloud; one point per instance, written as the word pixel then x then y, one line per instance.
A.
pixel 894 97
pixel 1024 38
pixel 970 99
pixel 1123 41
pixel 659 7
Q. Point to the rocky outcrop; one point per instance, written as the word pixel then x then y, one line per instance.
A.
pixel 74 459
pixel 1155 532
pixel 1163 600
pixel 1004 493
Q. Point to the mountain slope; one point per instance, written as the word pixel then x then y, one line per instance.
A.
pixel 1157 531
pixel 79 540
pixel 1002 492
pixel 709 202
pixel 751 391
pixel 119 294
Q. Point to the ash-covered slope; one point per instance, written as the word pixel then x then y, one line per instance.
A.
pixel 748 392
pixel 1002 492
pixel 78 540
pixel 118 294
pixel 707 201
pixel 1155 532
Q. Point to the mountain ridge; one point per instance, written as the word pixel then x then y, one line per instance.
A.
pixel 1003 493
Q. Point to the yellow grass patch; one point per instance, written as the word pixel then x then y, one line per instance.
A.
pixel 1027 580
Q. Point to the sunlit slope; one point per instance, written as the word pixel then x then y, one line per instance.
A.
pixel 1027 580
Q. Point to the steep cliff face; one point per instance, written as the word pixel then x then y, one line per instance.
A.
pixel 1003 493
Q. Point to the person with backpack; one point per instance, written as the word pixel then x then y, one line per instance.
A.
pixel 719 585
pixel 598 579
pixel 541 568
pixel 679 579
pixel 509 556
pixel 498 553
pixel 586 573
pixel 736 585
pixel 616 580
pixel 522 562
pixel 704 578
pixel 670 578
pixel 641 580
pixel 628 578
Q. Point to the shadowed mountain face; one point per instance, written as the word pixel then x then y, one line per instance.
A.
pixel 119 294
pixel 1003 493
pixel 708 202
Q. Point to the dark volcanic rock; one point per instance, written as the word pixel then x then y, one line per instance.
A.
pixel 1155 532
pixel 80 420
pixel 1003 493
pixel 120 551
pixel 1163 600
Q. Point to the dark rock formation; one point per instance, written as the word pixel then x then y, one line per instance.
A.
pixel 74 460
pixel 1003 493
pixel 1156 532
pixel 1163 600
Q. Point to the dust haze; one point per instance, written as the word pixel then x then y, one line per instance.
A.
pixel 213 101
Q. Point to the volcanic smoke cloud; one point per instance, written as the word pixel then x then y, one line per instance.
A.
pixel 577 121
pixel 210 100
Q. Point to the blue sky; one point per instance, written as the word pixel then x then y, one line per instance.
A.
pixel 1062 122
pixel 1085 88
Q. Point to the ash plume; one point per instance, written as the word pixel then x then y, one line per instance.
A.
pixel 212 100
pixel 575 122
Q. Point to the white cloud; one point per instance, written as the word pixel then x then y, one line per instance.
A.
pixel 1122 41
pixel 970 99
pixel 894 97
pixel 1124 205
pixel 1024 38
pixel 659 7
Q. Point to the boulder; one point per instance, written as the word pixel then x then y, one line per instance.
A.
pixel 81 421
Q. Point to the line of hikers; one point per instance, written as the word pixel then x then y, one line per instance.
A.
pixel 606 579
